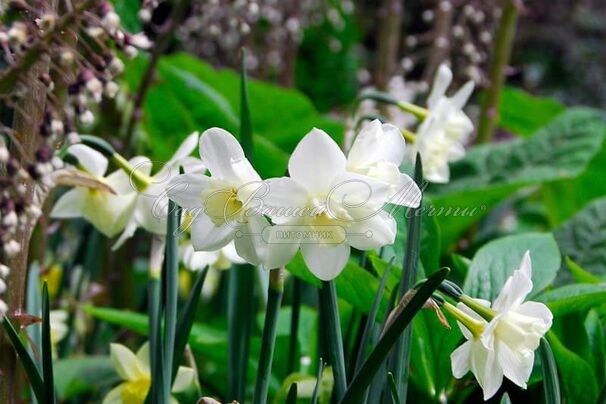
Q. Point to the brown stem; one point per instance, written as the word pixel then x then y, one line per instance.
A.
pixel 26 124
pixel 388 41
pixel 160 46
pixel 503 43
pixel 439 51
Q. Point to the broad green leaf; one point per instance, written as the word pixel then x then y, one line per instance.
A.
pixel 496 261
pixel 523 113
pixel 580 275
pixel 83 375
pixel 573 298
pixel 489 173
pixel 191 95
pixel 355 285
pixel 578 379
pixel 583 238
pixel 429 366
pixel 597 342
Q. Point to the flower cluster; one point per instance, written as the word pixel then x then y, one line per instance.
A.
pixel 444 129
pixel 328 203
pixel 502 336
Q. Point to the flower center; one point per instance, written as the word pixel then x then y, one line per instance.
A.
pixel 222 206
pixel 135 391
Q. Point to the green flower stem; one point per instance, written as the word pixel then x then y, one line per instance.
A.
pixel 485 312
pixel 419 112
pixel 268 341
pixel 171 288
pixel 334 340
pixel 409 136
pixel 405 314
pixel 140 180
pixel 473 325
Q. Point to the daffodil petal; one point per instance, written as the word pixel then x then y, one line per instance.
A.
pixel 316 160
pixel 325 261
pixel 93 161
pixel 69 205
pixel 440 85
pixel 186 377
pixel 218 150
pixel 459 360
pixel 205 236
pixel 115 395
pixel 125 362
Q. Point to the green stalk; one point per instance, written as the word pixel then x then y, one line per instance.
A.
pixel 401 357
pixel 268 341
pixel 47 350
pixel 154 317
pixel 294 325
pixel 333 338
pixel 27 360
pixel 241 279
pixel 372 318
pixel 393 388
pixel 239 319
pixel 155 340
pixel 500 59
pixel 186 321
pixel 551 382
pixel 316 391
pixel 357 387
pixel 171 277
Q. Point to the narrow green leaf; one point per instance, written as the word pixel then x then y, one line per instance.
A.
pixel 315 394
pixel 171 287
pixel 332 327
pixel 401 355
pixel 372 318
pixel 187 321
pixel 268 341
pixel 33 306
pixel 239 319
pixel 357 387
pixel 47 349
pixel 33 374
pixel 294 325
pixel 292 394
pixel 393 388
pixel 155 340
pixel 551 382
pixel 241 279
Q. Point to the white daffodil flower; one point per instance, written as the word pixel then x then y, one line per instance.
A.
pixel 108 212
pixel 218 259
pixel 135 373
pixel 446 128
pixel 506 345
pixel 151 207
pixel 330 208
pixel 222 205
pixel 377 152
